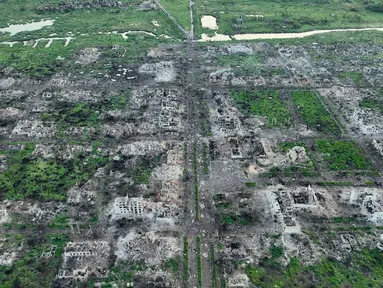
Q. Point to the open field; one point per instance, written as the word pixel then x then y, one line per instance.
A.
pixel 291 16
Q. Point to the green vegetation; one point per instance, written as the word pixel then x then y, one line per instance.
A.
pixel 185 262
pixel 241 64
pixel 221 202
pixel 245 61
pixel 116 101
pixel 313 113
pixel 276 252
pixel 27 271
pixel 240 219
pixel 84 115
pixel 345 219
pixel 362 269
pixel 179 9
pixel 342 155
pixel 143 170
pixel 61 221
pixel 372 104
pixel 305 169
pixel 81 115
pixel 84 20
pixel 266 103
pixel 245 65
pixel 374 6
pixel 353 228
pixel 335 183
pixel 369 183
pixel 173 265
pixel 288 16
pixel 205 157
pixel 43 179
pixel 199 263
pixel 121 274
pixel 356 77
pixel 40 61
pixel 250 184
pixel 203 109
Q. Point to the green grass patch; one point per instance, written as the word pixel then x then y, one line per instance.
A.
pixel 335 183
pixel 173 265
pixel 362 269
pixel 232 218
pixel 356 77
pixel 250 184
pixel 240 63
pixel 353 228
pixel 342 155
pixel 288 16
pixel 143 170
pixel 345 220
pixel 305 169
pixel 179 9
pixel 376 105
pixel 205 157
pixel 121 274
pixel 313 113
pixel 34 271
pixel 266 103
pixel 43 179
pixel 61 221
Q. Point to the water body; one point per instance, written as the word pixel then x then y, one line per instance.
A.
pixel 33 26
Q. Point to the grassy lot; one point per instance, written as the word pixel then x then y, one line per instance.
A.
pixel 372 104
pixel 31 270
pixel 361 269
pixel 342 155
pixel 80 21
pixel 42 178
pixel 179 9
pixel 266 103
pixel 41 61
pixel 85 26
pixel 356 77
pixel 313 112
pixel 287 16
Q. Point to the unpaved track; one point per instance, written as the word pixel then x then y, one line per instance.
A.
pixel 206 228
pixel 183 31
pixel 269 36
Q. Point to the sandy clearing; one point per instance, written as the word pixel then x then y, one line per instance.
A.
pixel 216 37
pixel 253 36
pixel 209 22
